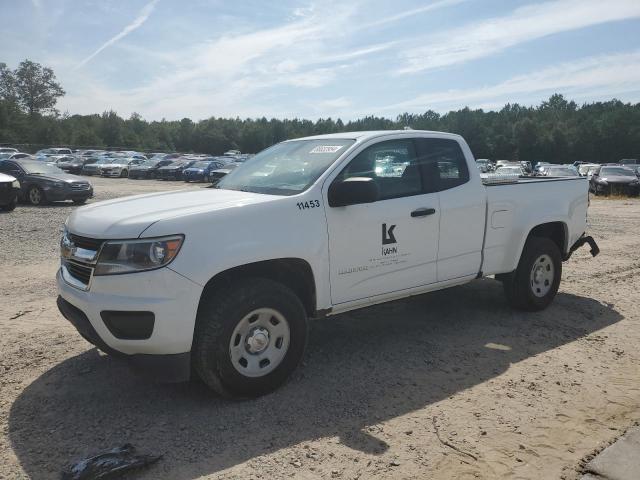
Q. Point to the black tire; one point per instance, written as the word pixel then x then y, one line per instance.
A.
pixel 124 174
pixel 520 288
pixel 80 201
pixel 218 317
pixel 11 206
pixel 35 196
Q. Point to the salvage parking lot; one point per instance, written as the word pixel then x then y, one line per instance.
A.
pixel 452 384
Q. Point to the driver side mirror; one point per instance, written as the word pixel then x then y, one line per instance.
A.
pixel 353 191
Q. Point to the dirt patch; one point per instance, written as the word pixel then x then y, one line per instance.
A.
pixel 451 384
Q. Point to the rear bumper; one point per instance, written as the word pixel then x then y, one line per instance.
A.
pixel 595 250
pixel 162 368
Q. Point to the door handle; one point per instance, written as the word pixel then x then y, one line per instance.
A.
pixel 423 212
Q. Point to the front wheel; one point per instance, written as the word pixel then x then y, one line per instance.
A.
pixel 249 338
pixel 124 174
pixel 36 196
pixel 11 206
pixel 534 284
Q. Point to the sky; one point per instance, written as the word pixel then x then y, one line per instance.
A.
pixel 316 59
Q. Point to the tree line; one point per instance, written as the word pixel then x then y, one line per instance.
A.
pixel 557 130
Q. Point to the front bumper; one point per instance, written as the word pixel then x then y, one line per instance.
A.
pixel 8 194
pixel 163 368
pixel 66 193
pixel 111 172
pixel 193 176
pixel 171 298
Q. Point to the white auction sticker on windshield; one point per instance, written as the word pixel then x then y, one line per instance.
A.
pixel 326 149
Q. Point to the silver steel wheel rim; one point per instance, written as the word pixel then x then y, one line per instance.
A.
pixel 542 275
pixel 34 195
pixel 259 342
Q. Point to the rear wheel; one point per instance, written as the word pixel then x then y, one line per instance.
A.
pixel 534 284
pixel 124 174
pixel 249 338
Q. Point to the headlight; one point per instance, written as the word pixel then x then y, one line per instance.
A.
pixel 15 184
pixel 128 256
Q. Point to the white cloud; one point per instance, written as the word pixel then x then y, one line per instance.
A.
pixel 137 23
pixel 598 76
pixel 411 13
pixel 227 76
pixel 527 23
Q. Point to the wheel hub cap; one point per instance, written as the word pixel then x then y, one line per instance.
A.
pixel 259 342
pixel 542 275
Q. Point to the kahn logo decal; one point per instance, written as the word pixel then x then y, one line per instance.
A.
pixel 387 234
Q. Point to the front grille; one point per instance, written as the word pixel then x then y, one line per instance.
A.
pixel 86 243
pixel 79 272
pixel 80 186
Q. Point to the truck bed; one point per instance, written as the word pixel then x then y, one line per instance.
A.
pixel 516 206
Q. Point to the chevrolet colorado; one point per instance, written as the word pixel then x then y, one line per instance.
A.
pixel 220 281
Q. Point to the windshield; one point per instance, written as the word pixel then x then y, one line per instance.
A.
pixel 286 168
pixel 39 168
pixel 624 172
pixel 148 163
pixel 201 164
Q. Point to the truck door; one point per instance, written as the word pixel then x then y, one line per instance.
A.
pixel 389 245
pixel 462 207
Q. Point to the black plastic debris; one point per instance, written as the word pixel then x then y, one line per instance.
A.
pixel 109 464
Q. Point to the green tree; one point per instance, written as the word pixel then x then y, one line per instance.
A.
pixel 36 88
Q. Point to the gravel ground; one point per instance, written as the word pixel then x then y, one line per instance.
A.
pixel 451 384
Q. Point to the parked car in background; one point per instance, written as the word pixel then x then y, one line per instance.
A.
pixel 9 189
pixel 510 170
pixel 526 167
pixel 561 171
pixel 74 165
pixel 231 153
pixel 199 171
pixel 148 169
pixel 120 165
pixel 91 169
pixel 614 180
pixel 174 170
pixel 52 152
pixel 14 155
pixel 635 169
pixel 8 150
pixel 216 175
pixel 484 165
pixel 629 161
pixel 538 167
pixel 583 168
pixel 41 183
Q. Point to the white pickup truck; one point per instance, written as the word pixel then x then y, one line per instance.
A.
pixel 221 281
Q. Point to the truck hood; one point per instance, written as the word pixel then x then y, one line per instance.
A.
pixel 128 217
